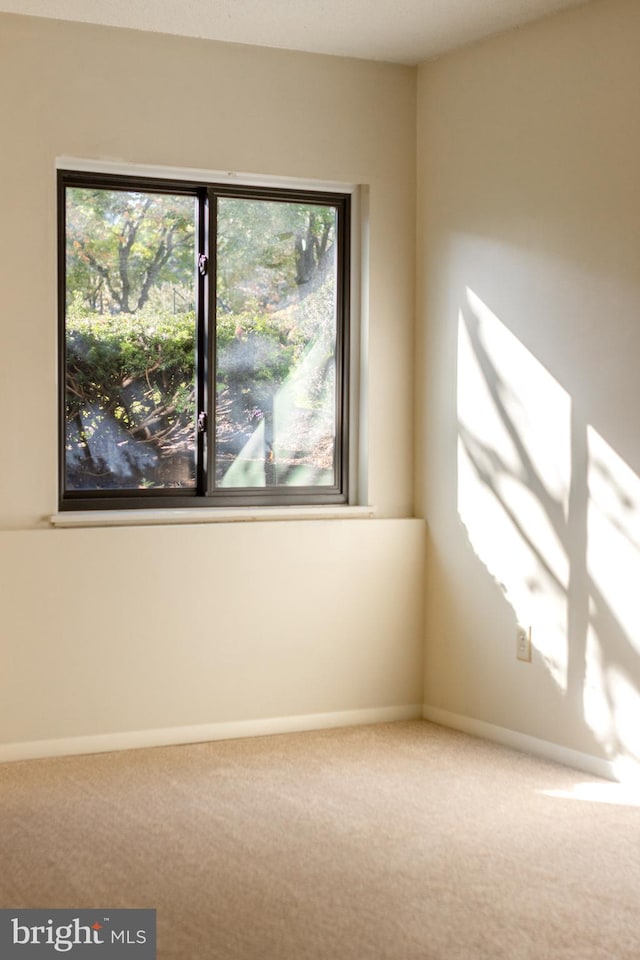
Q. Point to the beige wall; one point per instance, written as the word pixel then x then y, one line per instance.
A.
pixel 527 453
pixel 109 630
pixel 528 447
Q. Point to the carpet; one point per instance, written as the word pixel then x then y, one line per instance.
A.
pixel 399 841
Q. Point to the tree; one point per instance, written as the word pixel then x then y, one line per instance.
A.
pixel 131 331
pixel 272 277
pixel 122 244
pixel 268 250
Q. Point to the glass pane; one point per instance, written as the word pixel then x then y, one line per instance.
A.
pixel 130 340
pixel 276 344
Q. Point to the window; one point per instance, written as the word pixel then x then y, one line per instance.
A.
pixel 203 343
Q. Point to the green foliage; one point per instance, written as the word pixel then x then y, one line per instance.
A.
pixel 255 346
pixel 122 244
pixel 131 329
pixel 266 250
pixel 107 354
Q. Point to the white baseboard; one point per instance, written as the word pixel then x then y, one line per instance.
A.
pixel 236 729
pixel 521 741
pixel 230 730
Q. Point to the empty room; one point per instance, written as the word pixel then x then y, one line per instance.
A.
pixel 320 513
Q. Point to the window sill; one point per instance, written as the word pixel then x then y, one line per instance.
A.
pixel 138 518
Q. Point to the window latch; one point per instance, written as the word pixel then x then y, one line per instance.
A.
pixel 203 264
pixel 202 422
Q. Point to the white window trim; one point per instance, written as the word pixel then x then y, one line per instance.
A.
pixel 179 515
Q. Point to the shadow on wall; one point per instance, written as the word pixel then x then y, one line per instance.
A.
pixel 554 514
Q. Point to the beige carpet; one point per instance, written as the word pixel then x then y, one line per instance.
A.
pixel 401 841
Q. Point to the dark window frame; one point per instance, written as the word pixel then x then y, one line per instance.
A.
pixel 205 494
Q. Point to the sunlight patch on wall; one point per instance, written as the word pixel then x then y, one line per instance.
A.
pixel 514 469
pixel 611 699
pixel 626 714
pixel 611 704
pixel 596 704
pixel 613 555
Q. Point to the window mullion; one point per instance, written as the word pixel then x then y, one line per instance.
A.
pixel 202 390
pixel 210 360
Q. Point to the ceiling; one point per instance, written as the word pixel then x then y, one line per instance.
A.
pixel 400 31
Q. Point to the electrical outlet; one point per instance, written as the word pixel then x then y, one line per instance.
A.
pixel 523 650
